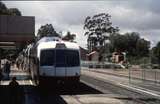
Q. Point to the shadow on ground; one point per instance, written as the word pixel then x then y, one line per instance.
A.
pixel 48 94
pixel 69 89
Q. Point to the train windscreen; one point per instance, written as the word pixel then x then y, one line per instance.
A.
pixel 72 58
pixel 60 58
pixel 47 57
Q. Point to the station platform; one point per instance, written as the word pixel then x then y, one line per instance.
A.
pixel 22 76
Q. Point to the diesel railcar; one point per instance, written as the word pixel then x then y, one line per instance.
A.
pixel 52 59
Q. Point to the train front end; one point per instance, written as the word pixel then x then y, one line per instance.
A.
pixel 59 62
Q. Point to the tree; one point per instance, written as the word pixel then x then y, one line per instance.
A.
pixel 97 29
pixel 69 37
pixel 3 8
pixel 156 52
pixel 14 11
pixel 46 30
pixel 131 43
pixel 132 39
pixel 142 47
pixel 5 11
pixel 118 42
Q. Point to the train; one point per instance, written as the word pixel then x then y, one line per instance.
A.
pixel 53 60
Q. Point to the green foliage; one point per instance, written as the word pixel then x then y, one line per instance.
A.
pixel 130 43
pixel 11 11
pixel 118 42
pixel 47 30
pixel 142 47
pixel 69 37
pixel 156 54
pixel 139 60
pixel 5 53
pixel 2 6
pixel 14 11
pixel 132 39
pixel 97 29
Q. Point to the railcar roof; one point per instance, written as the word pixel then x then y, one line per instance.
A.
pixel 52 44
pixel 47 39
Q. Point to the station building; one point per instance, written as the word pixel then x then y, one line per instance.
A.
pixel 16 31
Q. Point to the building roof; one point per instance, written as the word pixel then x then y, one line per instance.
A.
pixel 93 52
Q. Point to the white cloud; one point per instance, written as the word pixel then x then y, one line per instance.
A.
pixel 140 16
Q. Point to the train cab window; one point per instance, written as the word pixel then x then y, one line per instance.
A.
pixel 67 58
pixel 72 58
pixel 47 57
pixel 60 58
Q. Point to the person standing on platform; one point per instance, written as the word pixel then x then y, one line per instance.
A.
pixel 1 75
pixel 7 69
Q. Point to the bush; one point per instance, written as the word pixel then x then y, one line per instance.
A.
pixel 139 61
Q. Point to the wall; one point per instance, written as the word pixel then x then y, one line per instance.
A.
pixel 16 28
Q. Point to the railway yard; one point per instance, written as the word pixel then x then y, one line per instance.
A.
pixel 94 88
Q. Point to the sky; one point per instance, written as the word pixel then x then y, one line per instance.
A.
pixel 141 16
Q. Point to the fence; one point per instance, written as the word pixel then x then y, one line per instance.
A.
pixel 96 64
pixel 151 75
